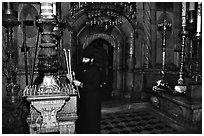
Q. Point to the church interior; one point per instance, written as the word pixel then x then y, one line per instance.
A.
pixel 152 72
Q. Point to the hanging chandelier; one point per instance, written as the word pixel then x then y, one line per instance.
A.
pixel 103 17
pixel 104 14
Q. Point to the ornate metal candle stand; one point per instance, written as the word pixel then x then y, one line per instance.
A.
pixel 197 75
pixel 47 99
pixel 59 28
pixel 191 27
pixel 14 111
pixel 104 15
pixel 162 84
pixel 53 102
pixel 10 20
pixel 181 87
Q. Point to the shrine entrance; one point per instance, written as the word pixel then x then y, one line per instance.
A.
pixel 107 71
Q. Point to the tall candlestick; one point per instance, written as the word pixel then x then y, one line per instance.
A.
pixel 191 6
pixel 163 26
pixel 181 87
pixel 198 30
pixel 183 14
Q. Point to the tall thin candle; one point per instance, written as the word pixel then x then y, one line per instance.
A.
pixel 67 62
pixel 46 8
pixel 69 54
pixel 183 8
pixel 183 14
pixel 191 5
pixel 198 30
pixel 54 8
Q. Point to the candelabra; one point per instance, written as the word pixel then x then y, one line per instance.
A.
pixel 163 26
pixel 102 15
pixel 49 110
pixel 181 87
pixel 10 20
pixel 105 14
pixel 13 109
pixel 103 18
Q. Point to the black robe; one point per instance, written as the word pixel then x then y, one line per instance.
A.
pixel 89 103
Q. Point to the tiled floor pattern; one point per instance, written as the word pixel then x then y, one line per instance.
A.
pixel 137 122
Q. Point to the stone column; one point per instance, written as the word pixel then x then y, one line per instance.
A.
pixel 117 70
pixel 147 31
pixel 129 66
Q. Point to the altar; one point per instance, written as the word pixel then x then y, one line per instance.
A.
pixel 184 110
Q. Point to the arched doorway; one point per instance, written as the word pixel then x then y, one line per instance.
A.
pixel 107 70
pixel 122 40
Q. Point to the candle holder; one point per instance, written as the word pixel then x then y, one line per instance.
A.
pixel 191 27
pixel 181 87
pixel 59 28
pixel 197 75
pixel 53 101
pixel 104 15
pixel 10 20
pixel 14 110
pixel 163 27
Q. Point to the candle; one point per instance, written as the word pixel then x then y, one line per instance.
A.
pixel 183 14
pixel 79 5
pixel 183 9
pixel 191 5
pixel 69 54
pixel 46 8
pixel 54 8
pixel 199 18
pixel 67 62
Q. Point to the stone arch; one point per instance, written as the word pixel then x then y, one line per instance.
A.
pixel 124 50
pixel 97 36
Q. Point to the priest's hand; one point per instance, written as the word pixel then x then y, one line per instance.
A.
pixel 78 83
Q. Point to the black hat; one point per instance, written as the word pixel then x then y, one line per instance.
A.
pixel 98 54
pixel 88 52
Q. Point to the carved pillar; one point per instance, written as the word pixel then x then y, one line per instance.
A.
pixel 117 70
pixel 129 66
pixel 147 31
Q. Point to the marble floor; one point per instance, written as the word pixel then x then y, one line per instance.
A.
pixel 120 117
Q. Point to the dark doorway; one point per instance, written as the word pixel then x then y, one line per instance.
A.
pixel 107 70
